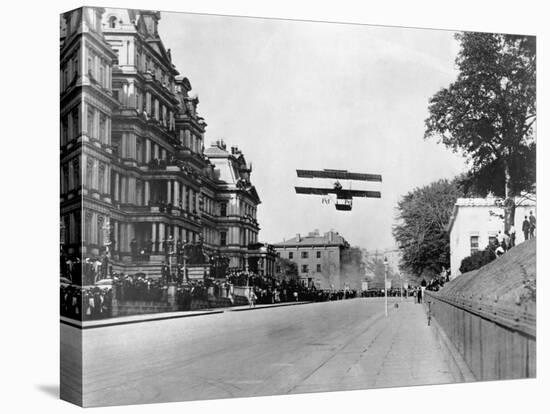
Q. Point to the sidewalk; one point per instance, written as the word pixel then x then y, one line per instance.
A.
pixel 400 350
pixel 124 320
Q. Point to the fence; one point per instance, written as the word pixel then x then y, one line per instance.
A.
pixel 497 341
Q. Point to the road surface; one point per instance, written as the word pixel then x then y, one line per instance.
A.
pixel 341 345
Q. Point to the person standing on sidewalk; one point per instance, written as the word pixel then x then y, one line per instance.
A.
pixel 252 298
pixel 525 228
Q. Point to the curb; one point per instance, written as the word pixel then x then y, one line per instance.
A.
pixel 85 325
pixel 80 325
pixel 268 307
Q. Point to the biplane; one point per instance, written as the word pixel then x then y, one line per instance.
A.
pixel 344 197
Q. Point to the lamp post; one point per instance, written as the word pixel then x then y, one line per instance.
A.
pixel 401 286
pixel 386 286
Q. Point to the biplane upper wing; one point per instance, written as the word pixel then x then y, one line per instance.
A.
pixel 338 175
pixel 315 191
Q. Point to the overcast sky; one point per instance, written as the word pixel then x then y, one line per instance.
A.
pixel 294 94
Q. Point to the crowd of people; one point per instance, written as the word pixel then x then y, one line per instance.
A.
pixel 85 302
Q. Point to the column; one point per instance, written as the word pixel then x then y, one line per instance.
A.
pixel 176 193
pixel 169 191
pixel 147 150
pixel 154 236
pixel 107 181
pixel 161 236
pixel 115 231
pixel 117 188
pixel 155 151
pixel 147 193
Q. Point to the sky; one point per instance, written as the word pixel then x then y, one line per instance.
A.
pixel 313 95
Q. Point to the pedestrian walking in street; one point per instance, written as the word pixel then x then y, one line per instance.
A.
pixel 525 227
pixel 532 224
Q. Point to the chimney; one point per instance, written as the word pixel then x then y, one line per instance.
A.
pixel 298 238
pixel 331 236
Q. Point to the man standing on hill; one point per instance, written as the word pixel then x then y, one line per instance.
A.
pixel 532 224
pixel 525 228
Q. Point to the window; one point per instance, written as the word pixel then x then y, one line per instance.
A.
pixel 88 227
pixel 101 178
pixel 474 244
pixel 305 268
pixel 112 22
pixel 223 238
pixel 64 131
pixel 318 268
pixel 103 128
pixel 76 173
pixel 492 239
pixel 90 123
pixel 76 123
pixel 278 269
pixel 291 255
pixel 305 255
pixel 318 255
pixel 223 209
pixel 89 173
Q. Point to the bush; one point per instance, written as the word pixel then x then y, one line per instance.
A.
pixel 478 259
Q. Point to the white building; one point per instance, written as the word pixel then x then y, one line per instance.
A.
pixel 476 221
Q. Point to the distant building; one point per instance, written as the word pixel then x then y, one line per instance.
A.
pixel 318 258
pixel 476 221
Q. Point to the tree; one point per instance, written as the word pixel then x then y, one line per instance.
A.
pixel 353 267
pixel 421 229
pixel 286 269
pixel 478 259
pixel 489 112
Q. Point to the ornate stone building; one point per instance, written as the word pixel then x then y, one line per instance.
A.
pixel 134 170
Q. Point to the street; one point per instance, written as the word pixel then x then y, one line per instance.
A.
pixel 340 345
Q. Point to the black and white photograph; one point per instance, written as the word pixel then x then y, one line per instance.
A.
pixel 259 207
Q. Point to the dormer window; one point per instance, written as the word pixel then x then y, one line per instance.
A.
pixel 112 22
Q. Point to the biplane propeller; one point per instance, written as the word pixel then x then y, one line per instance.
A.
pixel 344 198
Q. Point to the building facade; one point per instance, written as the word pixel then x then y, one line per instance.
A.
pixel 475 222
pixel 318 258
pixel 134 170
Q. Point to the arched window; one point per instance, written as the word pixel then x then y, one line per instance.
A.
pixel 112 22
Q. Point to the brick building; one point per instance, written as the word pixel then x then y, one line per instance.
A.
pixel 318 257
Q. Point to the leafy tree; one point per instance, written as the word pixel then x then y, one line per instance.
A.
pixel 478 259
pixel 286 269
pixel 353 267
pixel 489 112
pixel 421 229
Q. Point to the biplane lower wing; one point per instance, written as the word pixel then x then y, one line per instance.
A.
pixel 345 194
pixel 360 193
pixel 315 191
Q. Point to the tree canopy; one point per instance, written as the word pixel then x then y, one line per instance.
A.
pixel 421 229
pixel 488 113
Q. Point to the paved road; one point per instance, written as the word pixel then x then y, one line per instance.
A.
pixel 317 347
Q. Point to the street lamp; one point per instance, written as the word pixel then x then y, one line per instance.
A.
pixel 386 286
pixel 401 288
